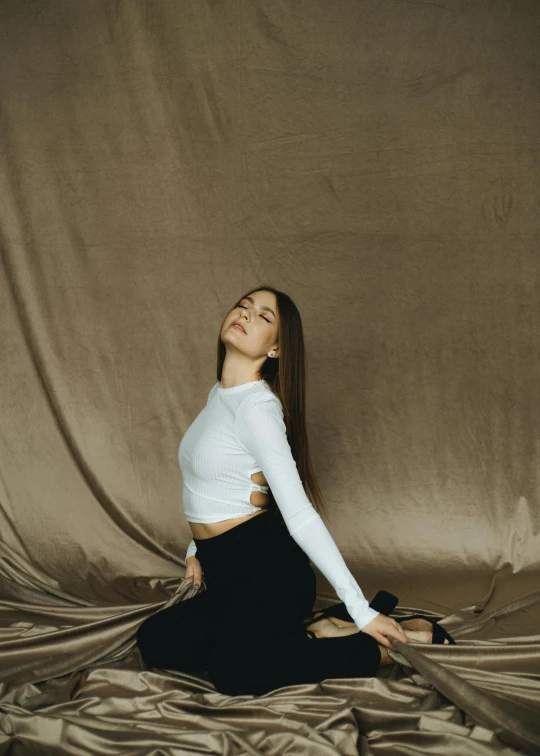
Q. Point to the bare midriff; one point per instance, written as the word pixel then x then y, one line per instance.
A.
pixel 202 530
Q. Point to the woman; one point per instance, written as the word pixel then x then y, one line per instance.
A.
pixel 246 469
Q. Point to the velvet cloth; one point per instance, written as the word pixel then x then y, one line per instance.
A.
pixel 378 161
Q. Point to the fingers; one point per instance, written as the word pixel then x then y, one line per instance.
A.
pixel 392 634
pixel 384 630
pixel 194 571
pixel 400 635
pixel 389 626
pixel 196 575
pixel 384 641
pixel 397 632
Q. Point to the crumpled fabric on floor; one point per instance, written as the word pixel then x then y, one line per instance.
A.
pixel 377 161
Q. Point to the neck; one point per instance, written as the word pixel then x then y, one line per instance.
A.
pixel 236 373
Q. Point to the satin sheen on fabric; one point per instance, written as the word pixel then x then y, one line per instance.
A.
pixel 252 641
pixel 378 161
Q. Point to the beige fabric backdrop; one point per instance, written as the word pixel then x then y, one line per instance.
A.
pixel 378 161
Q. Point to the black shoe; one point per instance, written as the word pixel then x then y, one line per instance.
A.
pixel 384 602
pixel 439 633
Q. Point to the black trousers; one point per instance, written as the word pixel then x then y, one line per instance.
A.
pixel 245 630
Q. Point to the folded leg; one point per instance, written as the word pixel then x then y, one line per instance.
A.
pixel 180 636
pixel 268 659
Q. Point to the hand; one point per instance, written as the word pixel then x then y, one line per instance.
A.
pixel 381 626
pixel 194 570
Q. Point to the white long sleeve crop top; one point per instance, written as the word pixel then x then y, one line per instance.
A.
pixel 241 431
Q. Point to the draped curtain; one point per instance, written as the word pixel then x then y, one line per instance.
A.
pixel 377 160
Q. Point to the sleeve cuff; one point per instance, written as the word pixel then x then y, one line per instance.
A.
pixel 191 549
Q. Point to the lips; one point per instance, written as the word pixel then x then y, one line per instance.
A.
pixel 239 326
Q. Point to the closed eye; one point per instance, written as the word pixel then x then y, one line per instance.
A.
pixel 262 316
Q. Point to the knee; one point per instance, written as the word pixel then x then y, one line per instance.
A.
pixel 240 673
pixel 229 680
pixel 226 672
pixel 147 640
pixel 155 637
pixel 166 641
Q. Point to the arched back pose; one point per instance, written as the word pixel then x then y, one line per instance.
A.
pixel 246 469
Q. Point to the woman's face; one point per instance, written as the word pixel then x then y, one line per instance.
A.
pixel 258 315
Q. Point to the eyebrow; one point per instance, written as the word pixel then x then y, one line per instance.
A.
pixel 263 307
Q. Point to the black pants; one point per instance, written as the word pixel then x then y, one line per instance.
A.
pixel 245 630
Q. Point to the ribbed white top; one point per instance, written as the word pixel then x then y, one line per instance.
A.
pixel 216 467
pixel 241 431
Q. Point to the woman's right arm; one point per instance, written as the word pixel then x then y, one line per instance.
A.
pixel 193 566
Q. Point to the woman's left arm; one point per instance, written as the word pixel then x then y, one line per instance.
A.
pixel 261 429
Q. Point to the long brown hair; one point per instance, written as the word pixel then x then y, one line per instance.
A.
pixel 286 377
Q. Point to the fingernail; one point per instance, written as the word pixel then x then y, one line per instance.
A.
pixel 196 585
